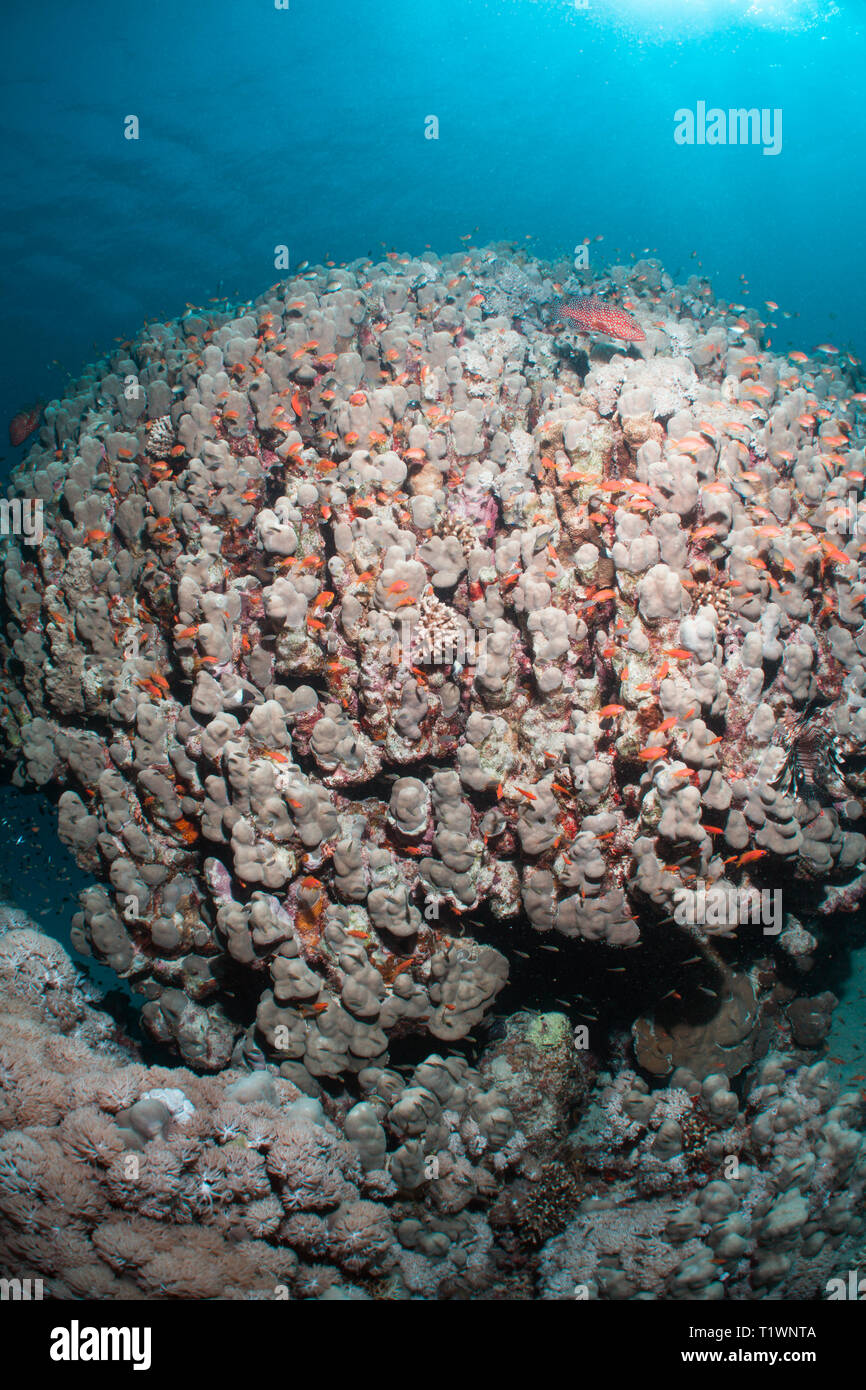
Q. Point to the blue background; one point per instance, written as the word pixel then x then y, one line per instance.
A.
pixel 306 127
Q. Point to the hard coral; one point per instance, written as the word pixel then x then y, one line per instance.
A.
pixel 383 619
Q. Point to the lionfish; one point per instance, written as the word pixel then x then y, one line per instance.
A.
pixel 814 766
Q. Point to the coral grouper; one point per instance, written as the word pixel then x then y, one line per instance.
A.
pixel 593 315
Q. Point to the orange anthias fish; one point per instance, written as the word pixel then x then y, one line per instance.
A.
pixel 24 423
pixel 593 315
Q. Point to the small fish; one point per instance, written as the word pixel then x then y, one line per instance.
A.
pixel 751 855
pixel 834 552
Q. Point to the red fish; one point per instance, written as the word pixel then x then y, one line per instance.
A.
pixel 593 315
pixel 25 422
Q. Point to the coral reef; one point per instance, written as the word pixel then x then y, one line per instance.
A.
pixel 376 623
pixel 121 1180
pixel 778 1208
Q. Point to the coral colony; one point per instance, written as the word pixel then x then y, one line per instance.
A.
pixel 392 638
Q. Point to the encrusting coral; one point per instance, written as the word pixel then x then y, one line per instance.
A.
pixel 779 1212
pixel 121 1180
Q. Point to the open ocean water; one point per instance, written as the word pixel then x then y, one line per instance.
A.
pixel 305 127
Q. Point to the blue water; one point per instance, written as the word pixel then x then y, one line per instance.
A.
pixel 305 127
